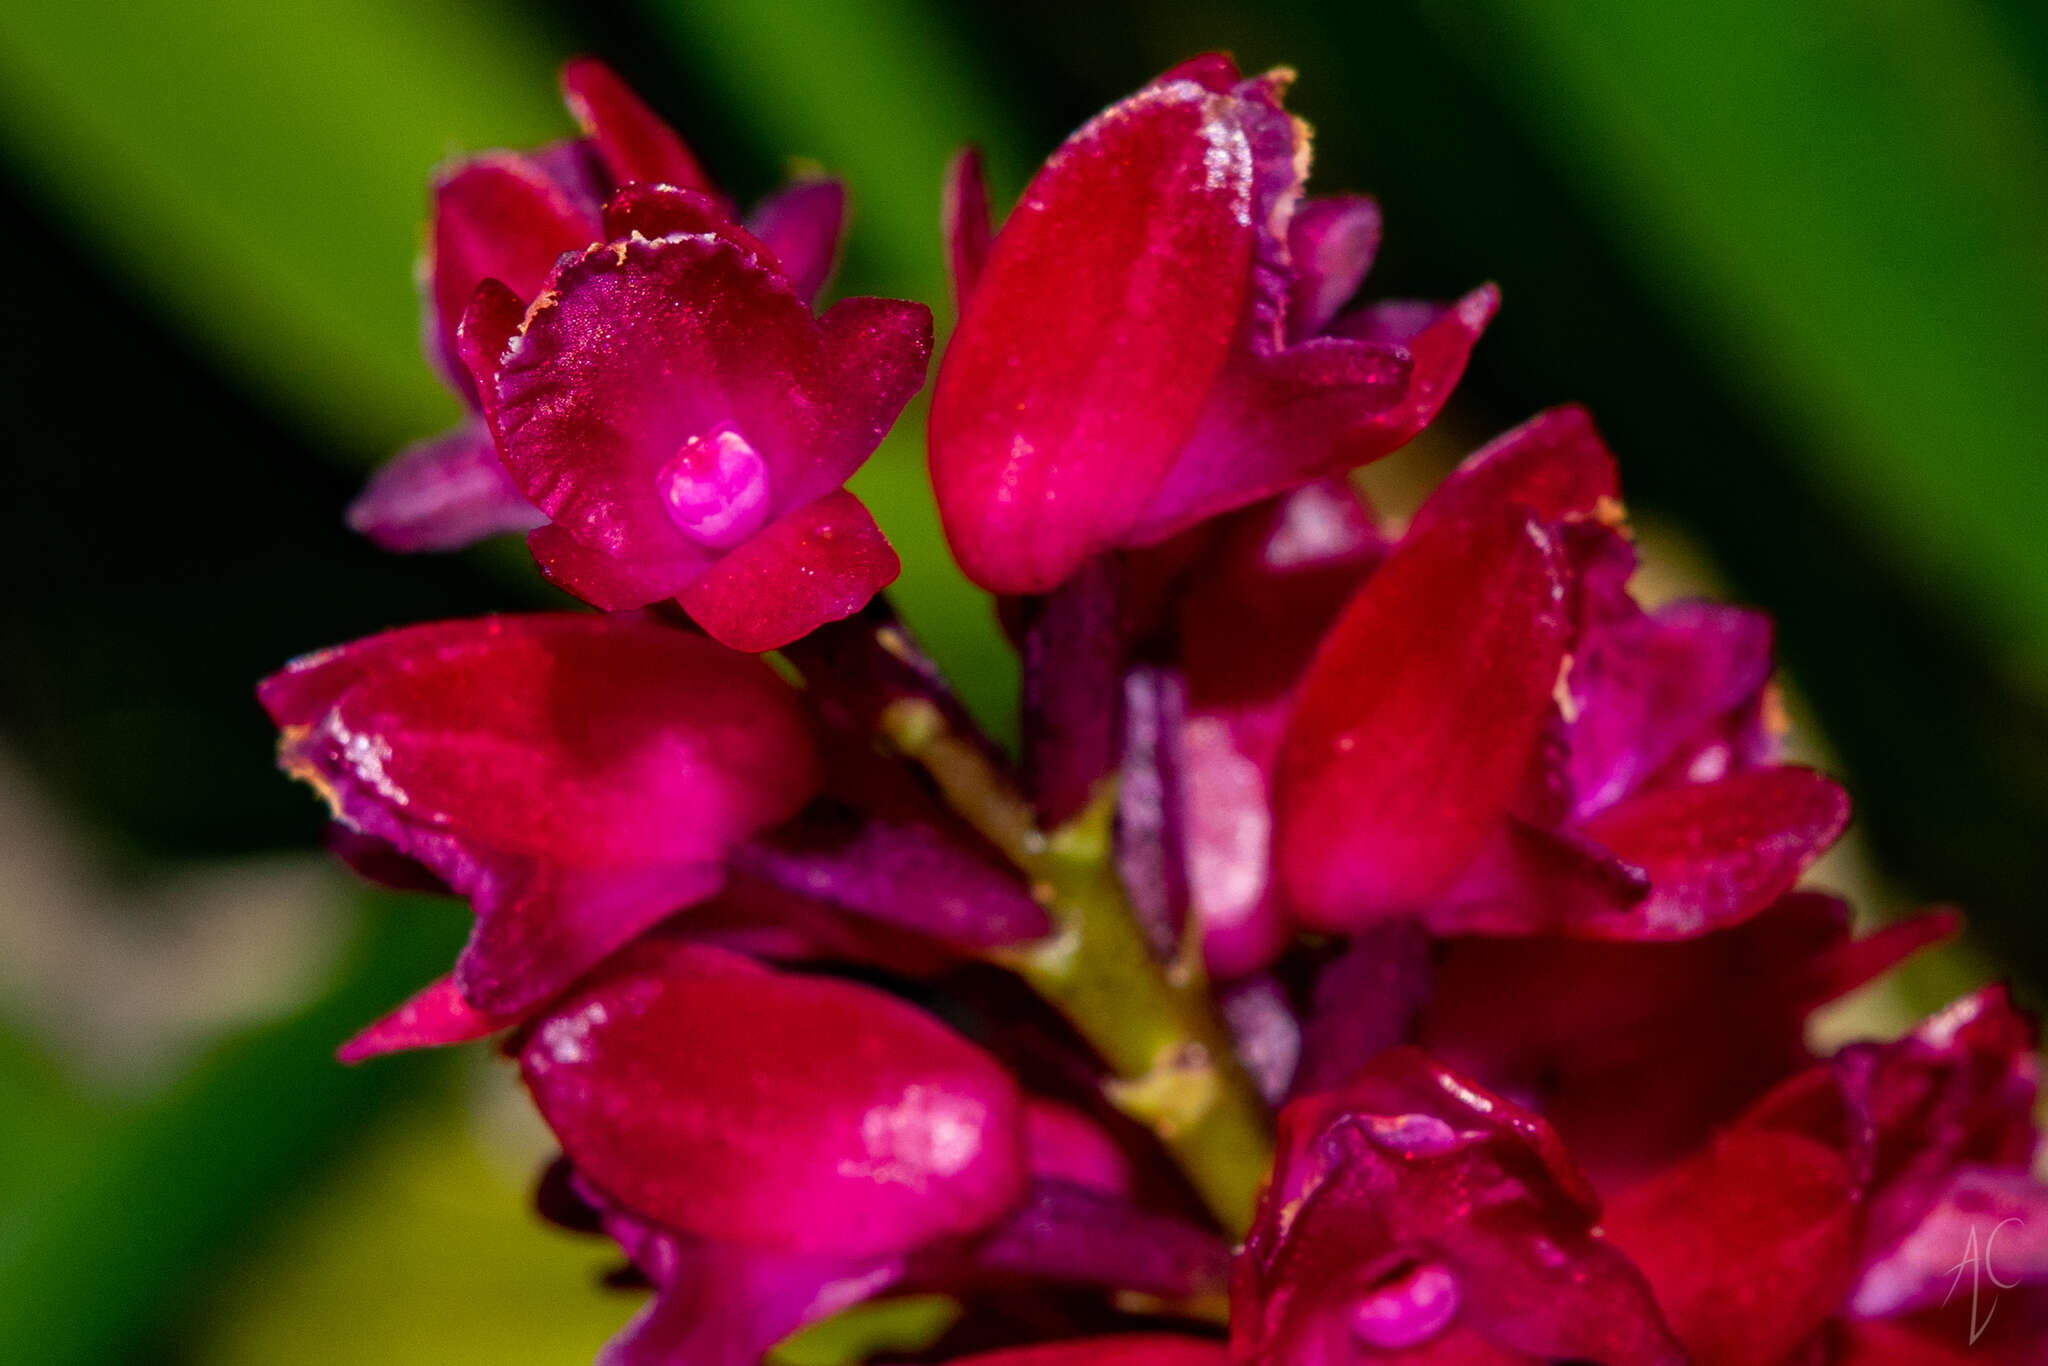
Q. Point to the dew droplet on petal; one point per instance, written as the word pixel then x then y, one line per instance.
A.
pixel 1408 1311
pixel 715 489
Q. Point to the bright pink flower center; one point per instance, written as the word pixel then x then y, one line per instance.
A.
pixel 715 488
pixel 1409 1311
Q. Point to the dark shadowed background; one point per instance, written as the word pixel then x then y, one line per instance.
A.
pixel 1790 251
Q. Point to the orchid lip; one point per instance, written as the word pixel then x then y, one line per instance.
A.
pixel 715 488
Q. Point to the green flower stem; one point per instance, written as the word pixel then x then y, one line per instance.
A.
pixel 1154 1024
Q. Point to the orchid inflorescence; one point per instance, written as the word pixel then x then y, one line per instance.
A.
pixel 1386 945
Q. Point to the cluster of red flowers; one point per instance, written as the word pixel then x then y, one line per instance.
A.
pixel 1435 843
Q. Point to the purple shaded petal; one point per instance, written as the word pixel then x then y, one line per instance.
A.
pixel 1366 1000
pixel 442 494
pixel 876 353
pixel 1273 421
pixel 633 141
pixel 2000 1212
pixel 1956 1095
pixel 907 875
pixel 376 861
pixel 1528 879
pixel 1069 1148
pixel 1653 686
pixel 801 224
pixel 538 927
pixel 964 223
pixel 1418 720
pixel 785 1113
pixel 716 1304
pixel 1073 643
pixel 753 916
pixel 1261 599
pixel 1151 817
pixel 1072 1234
pixel 1333 241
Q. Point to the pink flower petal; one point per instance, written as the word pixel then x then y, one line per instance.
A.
pixel 433 1017
pixel 577 777
pixel 820 563
pixel 766 1110
pixel 1636 1052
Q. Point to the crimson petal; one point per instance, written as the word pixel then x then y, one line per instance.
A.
pixel 1750 1245
pixel 669 403
pixel 632 139
pixel 1104 315
pixel 1418 719
pixel 1637 1051
pixel 1716 853
pixel 1555 465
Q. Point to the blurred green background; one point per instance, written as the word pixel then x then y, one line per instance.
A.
pixel 1791 251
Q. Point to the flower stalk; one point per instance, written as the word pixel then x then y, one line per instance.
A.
pixel 1155 1024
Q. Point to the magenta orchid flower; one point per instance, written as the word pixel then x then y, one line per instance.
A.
pixel 688 427
pixel 1154 337
pixel 507 216
pixel 1495 738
